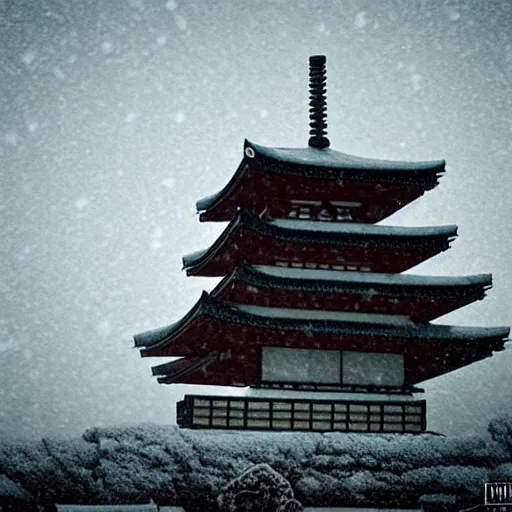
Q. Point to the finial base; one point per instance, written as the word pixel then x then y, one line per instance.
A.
pixel 319 142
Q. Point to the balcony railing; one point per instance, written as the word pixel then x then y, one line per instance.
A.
pixel 251 413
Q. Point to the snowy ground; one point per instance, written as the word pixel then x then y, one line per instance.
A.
pixel 151 508
pixel 116 508
pixel 188 468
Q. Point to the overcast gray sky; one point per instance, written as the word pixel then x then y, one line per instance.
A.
pixel 116 116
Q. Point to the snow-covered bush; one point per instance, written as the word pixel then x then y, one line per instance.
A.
pixel 188 468
pixel 258 488
pixel 501 431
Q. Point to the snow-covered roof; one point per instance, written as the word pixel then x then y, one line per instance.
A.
pixel 345 234
pixel 319 314
pixel 146 338
pixel 206 202
pixel 371 277
pixel 304 320
pixel 327 157
pixel 191 258
pixel 406 294
pixel 352 228
pixel 327 164
pixel 405 330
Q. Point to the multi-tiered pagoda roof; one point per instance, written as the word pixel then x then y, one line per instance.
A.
pixel 312 298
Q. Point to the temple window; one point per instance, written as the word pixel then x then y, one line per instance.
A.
pixel 302 209
pixel 300 365
pixel 371 368
pixel 322 266
pixel 313 366
pixel 322 210
pixel 326 211
pixel 344 209
pixel 343 214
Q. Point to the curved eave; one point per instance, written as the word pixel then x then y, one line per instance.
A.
pixel 333 281
pixel 328 233
pixel 210 201
pixel 263 317
pixel 327 164
pixel 169 373
pixel 200 258
pixel 156 337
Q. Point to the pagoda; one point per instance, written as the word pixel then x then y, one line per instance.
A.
pixel 313 316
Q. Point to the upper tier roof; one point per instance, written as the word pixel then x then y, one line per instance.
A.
pixel 283 239
pixel 324 165
pixel 336 161
pixel 421 298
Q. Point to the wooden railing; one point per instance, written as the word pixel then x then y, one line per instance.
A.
pixel 251 413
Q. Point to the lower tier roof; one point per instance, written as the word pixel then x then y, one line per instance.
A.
pixel 239 332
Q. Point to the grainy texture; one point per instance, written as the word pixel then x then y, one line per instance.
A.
pixel 189 468
pixel 260 487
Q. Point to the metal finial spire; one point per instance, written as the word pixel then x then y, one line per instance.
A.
pixel 318 103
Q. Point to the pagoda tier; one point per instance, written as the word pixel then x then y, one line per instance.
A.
pixel 326 245
pixel 226 344
pixel 419 298
pixel 322 184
